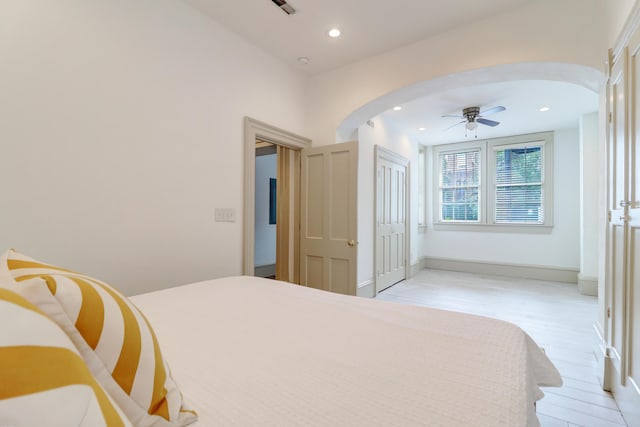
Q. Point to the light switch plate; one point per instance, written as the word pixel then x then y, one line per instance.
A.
pixel 225 215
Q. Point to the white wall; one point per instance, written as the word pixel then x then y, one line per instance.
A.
pixel 265 233
pixel 559 249
pixel 589 190
pixel 121 132
pixel 385 134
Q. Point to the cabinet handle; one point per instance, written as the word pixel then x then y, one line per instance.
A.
pixel 624 203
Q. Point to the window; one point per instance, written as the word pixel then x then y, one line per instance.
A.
pixel 459 185
pixel 519 184
pixel 498 182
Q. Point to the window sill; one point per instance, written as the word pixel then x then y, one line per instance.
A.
pixel 495 228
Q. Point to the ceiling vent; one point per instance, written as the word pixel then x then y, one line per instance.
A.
pixel 286 7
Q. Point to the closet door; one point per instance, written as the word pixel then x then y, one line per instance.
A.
pixel 617 153
pixel 632 220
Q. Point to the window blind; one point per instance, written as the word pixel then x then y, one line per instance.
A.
pixel 459 185
pixel 519 184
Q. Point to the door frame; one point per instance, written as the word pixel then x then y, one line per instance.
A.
pixel 255 129
pixel 393 157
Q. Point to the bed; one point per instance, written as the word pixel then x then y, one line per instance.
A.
pixel 247 351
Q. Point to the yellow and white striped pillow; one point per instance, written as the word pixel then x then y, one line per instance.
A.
pixel 43 379
pixel 112 335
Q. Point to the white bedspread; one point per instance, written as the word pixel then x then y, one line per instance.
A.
pixel 253 352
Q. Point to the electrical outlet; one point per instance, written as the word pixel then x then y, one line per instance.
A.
pixel 225 215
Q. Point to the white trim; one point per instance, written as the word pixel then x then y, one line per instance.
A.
pixel 632 23
pixel 422 164
pixel 438 150
pixel 366 289
pixel 420 265
pixel 256 129
pixel 601 355
pixel 537 272
pixel 541 139
pixel 588 285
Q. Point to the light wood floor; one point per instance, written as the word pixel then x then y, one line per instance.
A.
pixel 554 314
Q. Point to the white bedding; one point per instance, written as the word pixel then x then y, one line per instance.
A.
pixel 254 352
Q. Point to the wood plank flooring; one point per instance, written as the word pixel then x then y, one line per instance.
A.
pixel 555 315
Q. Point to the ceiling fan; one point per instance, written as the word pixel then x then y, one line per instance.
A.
pixel 472 116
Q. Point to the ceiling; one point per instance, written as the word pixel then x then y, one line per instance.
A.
pixel 522 99
pixel 369 28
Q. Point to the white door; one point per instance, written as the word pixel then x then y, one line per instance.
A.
pixel 391 218
pixel 328 247
pixel 625 220
pixel 623 239
pixel 632 218
pixel 617 226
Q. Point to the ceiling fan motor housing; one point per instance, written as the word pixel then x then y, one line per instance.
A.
pixel 470 113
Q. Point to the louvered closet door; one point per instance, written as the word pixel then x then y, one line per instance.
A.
pixel 617 148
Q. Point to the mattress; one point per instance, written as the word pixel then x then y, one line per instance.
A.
pixel 247 351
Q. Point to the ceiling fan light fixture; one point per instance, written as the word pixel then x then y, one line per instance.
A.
pixel 471 125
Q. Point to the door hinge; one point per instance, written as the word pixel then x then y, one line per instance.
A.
pixel 609 216
pixel 608 313
pixel 610 117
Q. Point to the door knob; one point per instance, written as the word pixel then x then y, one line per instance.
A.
pixel 351 243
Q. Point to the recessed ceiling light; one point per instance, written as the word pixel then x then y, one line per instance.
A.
pixel 397 108
pixel 304 60
pixel 334 32
pixel 543 109
pixel 421 129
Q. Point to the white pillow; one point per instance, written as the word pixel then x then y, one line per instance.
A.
pixel 112 335
pixel 43 379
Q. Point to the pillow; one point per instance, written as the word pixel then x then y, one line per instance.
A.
pixel 112 335
pixel 43 379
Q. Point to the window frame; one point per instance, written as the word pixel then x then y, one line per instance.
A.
pixel 487 194
pixel 459 147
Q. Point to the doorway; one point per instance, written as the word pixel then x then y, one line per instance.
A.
pixel 286 201
pixel 266 209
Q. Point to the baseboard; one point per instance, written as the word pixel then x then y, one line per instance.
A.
pixel 366 289
pixel 536 272
pixel 588 285
pixel 602 357
pixel 415 268
pixel 265 271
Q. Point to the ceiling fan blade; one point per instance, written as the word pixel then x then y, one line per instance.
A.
pixel 487 122
pixel 457 117
pixel 452 126
pixel 493 110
